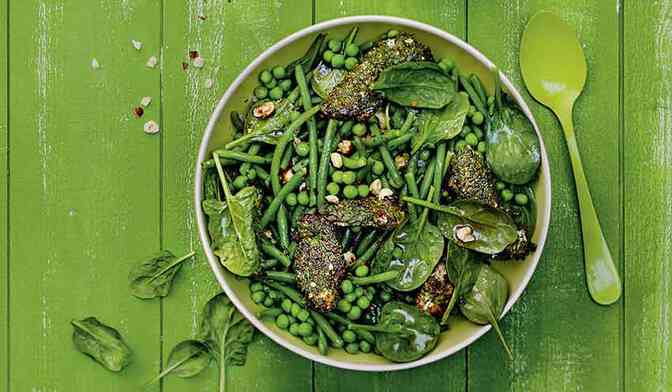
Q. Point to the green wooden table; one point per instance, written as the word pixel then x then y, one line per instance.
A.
pixel 84 192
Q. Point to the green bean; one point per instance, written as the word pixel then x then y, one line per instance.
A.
pixel 446 162
pixel 365 242
pixel 285 277
pixel 324 325
pixel 363 173
pixel 359 145
pixel 261 173
pixel 269 263
pixel 296 214
pixel 272 209
pixel 347 237
pixel 287 156
pixel 353 163
pixel 292 249
pixel 374 141
pixel 438 170
pixel 275 253
pixel 368 253
pixel 412 189
pixel 271 313
pixel 323 171
pixel 427 179
pixel 397 142
pixel 478 86
pixel 295 93
pixel 338 318
pixel 287 291
pixel 366 45
pixel 235 156
pixel 430 205
pixel 473 95
pixel 346 128
pixel 350 38
pixel 373 279
pixel 365 335
pixel 322 342
pixel 312 128
pixel 395 177
pixel 253 150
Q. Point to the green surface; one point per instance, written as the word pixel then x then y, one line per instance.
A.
pixel 89 193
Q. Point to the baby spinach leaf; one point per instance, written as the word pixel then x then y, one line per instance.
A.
pixel 187 359
pixel 419 84
pixel 232 230
pixel 486 300
pixel 477 226
pixel 414 249
pixel 405 333
pixel 227 334
pixel 268 130
pixel 441 124
pixel 153 277
pixel 307 61
pixel 102 343
pixel 462 268
pixel 325 79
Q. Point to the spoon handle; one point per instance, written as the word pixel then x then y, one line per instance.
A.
pixel 602 277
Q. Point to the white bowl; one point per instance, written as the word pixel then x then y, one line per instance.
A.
pixel 462 333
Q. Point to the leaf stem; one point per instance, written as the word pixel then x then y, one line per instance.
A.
pixel 173 264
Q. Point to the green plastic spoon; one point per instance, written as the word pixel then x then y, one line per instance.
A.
pixel 554 70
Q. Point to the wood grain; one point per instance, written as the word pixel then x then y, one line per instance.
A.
pixel 84 188
pixel 562 341
pixel 449 373
pixel 648 195
pixel 4 223
pixel 228 35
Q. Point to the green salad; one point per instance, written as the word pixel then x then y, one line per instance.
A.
pixel 367 191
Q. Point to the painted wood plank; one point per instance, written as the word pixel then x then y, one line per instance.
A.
pixel 228 34
pixel 4 175
pixel 84 187
pixel 449 373
pixel 648 194
pixel 561 340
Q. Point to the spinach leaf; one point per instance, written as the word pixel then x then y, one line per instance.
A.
pixel 513 149
pixel 414 249
pixel 102 343
pixel 442 124
pixel 187 359
pixel 477 226
pixel 325 79
pixel 226 333
pixel 405 333
pixel 419 84
pixel 307 61
pixel 267 130
pixel 153 277
pixel 486 300
pixel 462 268
pixel 232 230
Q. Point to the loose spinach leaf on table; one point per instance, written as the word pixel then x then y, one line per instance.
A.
pixel 325 79
pixel 227 334
pixel 441 124
pixel 414 249
pixel 154 277
pixel 419 84
pixel 187 359
pixel 102 343
pixel 492 229
pixel 462 267
pixel 486 300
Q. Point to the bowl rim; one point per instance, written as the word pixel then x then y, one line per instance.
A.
pixel 201 220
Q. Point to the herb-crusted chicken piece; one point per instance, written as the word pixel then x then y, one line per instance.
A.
pixel 318 262
pixel 434 295
pixel 470 178
pixel 372 211
pixel 353 98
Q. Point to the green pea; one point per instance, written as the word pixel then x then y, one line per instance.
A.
pixel 506 194
pixel 482 147
pixel 240 182
pixel 371 290
pixel 477 118
pixel 359 129
pixel 271 84
pixel 500 185
pixel 305 329
pixel 296 309
pixel 334 45
pixel 333 188
pixel 265 76
pixel 302 149
pixel 310 340
pixel 521 199
pixel 350 297
pixel 286 305
pixel 363 302
pixel 337 177
pixel 385 296
pixel 304 315
pixel 478 132
pixel 276 93
pixel 460 145
pixel 355 313
pixel 344 306
pixel 350 63
pixel 392 33
pixel 364 346
pixel 378 168
pixel 425 155
pixel 268 302
pixel 349 336
pixel 465 131
pixel 256 286
pixel 258 297
pixel 294 329
pixel 471 139
pixel 261 92
pixel 349 177
pixel 363 190
pixel 327 56
pixel 352 348
pixel 350 192
pixel 303 198
pixel 359 291
pixel 347 286
pixel 282 321
pixel 292 319
pixel 362 271
pixel 286 85
pixel 251 174
pixel 279 72
pixel 352 50
pixel 338 61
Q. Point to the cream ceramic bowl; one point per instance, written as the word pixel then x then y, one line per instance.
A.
pixel 462 333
